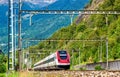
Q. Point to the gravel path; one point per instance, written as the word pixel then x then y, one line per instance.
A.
pixel 77 74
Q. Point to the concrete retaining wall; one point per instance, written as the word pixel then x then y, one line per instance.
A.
pixel 112 65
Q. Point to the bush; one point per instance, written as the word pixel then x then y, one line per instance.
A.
pixel 82 69
pixel 2 68
pixel 98 67
pixel 81 28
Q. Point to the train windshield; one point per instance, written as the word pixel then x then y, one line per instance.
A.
pixel 63 54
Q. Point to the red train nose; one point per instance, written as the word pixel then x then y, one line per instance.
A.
pixel 58 60
pixel 63 60
pixel 68 60
pixel 63 57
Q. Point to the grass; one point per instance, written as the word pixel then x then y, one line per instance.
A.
pixel 9 74
pixel 2 75
pixel 20 74
pixel 17 74
pixel 13 74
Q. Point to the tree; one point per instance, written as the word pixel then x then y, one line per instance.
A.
pixel 117 5
pixel 2 63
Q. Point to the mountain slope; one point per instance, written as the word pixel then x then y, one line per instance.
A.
pixel 3 23
pixel 31 6
pixel 3 15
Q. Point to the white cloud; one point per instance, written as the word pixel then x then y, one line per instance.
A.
pixel 3 1
pixel 39 1
pixel 31 1
pixel 49 1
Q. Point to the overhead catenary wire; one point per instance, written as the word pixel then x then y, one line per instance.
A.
pixel 72 12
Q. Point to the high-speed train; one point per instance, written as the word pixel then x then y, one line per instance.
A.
pixel 58 60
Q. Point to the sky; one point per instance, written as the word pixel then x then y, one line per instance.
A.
pixel 3 1
pixel 31 1
pixel 39 1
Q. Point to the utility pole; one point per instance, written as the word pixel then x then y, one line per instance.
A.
pixel 15 9
pixel 71 19
pixel 72 58
pixel 79 56
pixel 107 53
pixel 30 22
pixel 11 36
pixel 101 51
pixel 107 43
pixel 19 37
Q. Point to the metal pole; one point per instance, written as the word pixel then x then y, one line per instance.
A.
pixel 83 45
pixel 107 52
pixel 101 51
pixel 107 43
pixel 72 58
pixel 71 17
pixel 27 46
pixel 12 26
pixel 19 37
pixel 30 22
pixel 9 35
pixel 19 27
pixel 79 56
pixel 15 37
pixel 98 53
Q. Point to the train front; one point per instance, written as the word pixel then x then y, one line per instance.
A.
pixel 63 59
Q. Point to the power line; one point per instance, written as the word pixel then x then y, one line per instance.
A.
pixel 68 40
pixel 69 12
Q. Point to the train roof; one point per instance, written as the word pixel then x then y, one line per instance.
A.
pixel 44 59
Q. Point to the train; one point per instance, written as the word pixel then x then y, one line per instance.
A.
pixel 58 60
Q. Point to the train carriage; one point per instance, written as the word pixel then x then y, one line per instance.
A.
pixel 58 60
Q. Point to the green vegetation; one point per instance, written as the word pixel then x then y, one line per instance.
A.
pixel 83 69
pixel 2 75
pixel 3 61
pixel 13 74
pixel 98 67
pixel 92 27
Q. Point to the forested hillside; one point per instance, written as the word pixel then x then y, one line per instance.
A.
pixel 91 27
pixel 3 60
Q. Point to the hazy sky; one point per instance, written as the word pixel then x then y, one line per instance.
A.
pixel 3 1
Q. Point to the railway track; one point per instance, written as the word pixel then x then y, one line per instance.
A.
pixel 75 73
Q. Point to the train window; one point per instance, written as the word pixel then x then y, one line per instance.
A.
pixel 55 57
pixel 63 57
pixel 63 54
